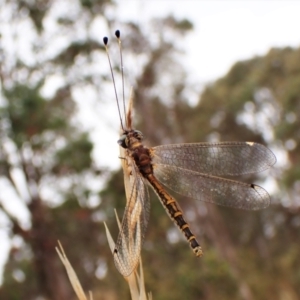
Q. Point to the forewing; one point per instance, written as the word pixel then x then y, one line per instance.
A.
pixel 228 158
pixel 134 222
pixel 212 189
pixel 128 178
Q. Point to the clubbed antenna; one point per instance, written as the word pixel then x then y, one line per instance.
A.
pixel 105 41
pixel 118 35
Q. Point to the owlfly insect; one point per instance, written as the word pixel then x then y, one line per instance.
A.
pixel 194 170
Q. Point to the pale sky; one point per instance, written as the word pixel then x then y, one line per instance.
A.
pixel 225 31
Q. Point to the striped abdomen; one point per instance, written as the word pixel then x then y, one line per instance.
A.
pixel 174 212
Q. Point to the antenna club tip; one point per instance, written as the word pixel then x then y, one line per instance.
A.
pixel 105 40
pixel 118 34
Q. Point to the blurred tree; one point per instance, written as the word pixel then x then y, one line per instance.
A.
pixel 46 167
pixel 258 101
pixel 45 158
pixel 256 251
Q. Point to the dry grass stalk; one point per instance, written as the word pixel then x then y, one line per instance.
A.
pixel 135 280
pixel 71 273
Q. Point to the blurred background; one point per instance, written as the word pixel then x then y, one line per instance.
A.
pixel 200 71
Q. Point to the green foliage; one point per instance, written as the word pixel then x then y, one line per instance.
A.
pixel 51 155
pixel 28 113
pixel 74 156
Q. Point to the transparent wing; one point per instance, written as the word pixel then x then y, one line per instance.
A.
pixel 134 222
pixel 228 158
pixel 212 189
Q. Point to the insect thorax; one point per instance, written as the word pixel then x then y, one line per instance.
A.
pixel 132 141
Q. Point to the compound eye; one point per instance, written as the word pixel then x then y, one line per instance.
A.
pixel 138 135
pixel 123 141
